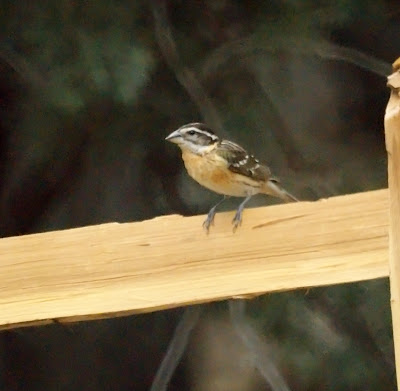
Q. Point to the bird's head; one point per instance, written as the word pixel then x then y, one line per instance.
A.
pixel 195 137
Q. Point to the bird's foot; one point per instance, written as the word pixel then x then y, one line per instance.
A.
pixel 209 220
pixel 237 220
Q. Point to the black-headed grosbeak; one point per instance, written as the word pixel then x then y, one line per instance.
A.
pixel 224 167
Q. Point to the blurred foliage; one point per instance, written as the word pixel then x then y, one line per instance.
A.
pixel 89 90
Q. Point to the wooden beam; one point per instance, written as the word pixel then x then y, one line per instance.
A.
pixel 392 136
pixel 119 269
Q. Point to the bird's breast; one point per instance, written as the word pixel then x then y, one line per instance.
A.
pixel 212 172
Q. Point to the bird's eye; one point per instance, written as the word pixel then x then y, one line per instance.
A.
pixel 191 132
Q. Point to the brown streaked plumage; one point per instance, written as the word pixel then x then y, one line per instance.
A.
pixel 224 167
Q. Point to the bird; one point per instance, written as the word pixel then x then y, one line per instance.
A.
pixel 225 168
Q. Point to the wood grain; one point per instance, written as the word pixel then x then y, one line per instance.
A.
pixel 392 136
pixel 119 269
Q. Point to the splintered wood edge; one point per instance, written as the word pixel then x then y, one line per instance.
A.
pixel 116 269
pixel 392 139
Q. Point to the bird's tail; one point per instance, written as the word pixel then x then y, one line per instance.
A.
pixel 273 187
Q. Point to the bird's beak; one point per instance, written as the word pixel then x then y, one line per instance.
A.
pixel 174 137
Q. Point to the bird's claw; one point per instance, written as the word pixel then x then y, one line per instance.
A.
pixel 208 222
pixel 237 221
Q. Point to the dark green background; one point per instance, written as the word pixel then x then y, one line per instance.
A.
pixel 88 92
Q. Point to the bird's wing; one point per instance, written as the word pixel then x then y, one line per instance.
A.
pixel 241 162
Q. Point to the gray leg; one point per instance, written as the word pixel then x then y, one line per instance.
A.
pixel 211 214
pixel 237 220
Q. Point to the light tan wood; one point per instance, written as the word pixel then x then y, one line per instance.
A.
pixel 392 135
pixel 118 269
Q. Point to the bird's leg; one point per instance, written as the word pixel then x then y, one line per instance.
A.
pixel 211 214
pixel 237 220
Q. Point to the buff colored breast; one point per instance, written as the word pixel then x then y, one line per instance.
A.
pixel 212 172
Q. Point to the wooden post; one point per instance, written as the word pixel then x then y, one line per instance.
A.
pixel 392 134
